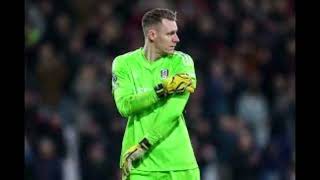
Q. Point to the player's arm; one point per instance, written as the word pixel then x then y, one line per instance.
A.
pixel 129 103
pixel 166 120
pixel 123 90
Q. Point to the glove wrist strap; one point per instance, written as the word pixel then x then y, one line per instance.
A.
pixel 160 91
pixel 145 144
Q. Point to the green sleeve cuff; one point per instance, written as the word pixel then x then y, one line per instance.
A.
pixel 153 137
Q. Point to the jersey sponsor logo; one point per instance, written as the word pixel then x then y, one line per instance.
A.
pixel 164 73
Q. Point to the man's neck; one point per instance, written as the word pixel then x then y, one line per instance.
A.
pixel 150 52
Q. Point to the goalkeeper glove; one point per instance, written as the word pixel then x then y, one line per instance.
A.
pixel 132 154
pixel 176 84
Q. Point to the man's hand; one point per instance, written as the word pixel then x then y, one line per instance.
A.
pixel 176 84
pixel 133 153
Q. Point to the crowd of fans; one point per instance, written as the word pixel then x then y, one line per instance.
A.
pixel 241 118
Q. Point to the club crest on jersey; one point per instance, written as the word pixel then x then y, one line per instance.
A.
pixel 164 73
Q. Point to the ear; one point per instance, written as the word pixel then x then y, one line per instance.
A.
pixel 152 34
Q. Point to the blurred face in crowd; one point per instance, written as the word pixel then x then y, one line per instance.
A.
pixel 96 153
pixel 47 148
pixel 245 140
pixel 46 51
pixel 164 36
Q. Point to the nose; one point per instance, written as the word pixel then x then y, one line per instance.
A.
pixel 175 38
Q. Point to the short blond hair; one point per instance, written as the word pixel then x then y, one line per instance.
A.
pixel 155 16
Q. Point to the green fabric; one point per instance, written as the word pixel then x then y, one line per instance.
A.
pixel 161 121
pixel 191 174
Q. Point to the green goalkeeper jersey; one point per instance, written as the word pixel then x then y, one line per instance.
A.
pixel 161 121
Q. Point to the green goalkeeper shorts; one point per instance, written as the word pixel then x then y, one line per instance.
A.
pixel 191 174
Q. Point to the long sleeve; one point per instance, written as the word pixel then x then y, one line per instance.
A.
pixel 128 102
pixel 167 119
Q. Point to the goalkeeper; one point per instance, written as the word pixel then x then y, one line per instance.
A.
pixel 151 86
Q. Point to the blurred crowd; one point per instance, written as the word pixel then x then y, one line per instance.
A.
pixel 241 118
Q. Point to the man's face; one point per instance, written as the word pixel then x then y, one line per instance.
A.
pixel 166 38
